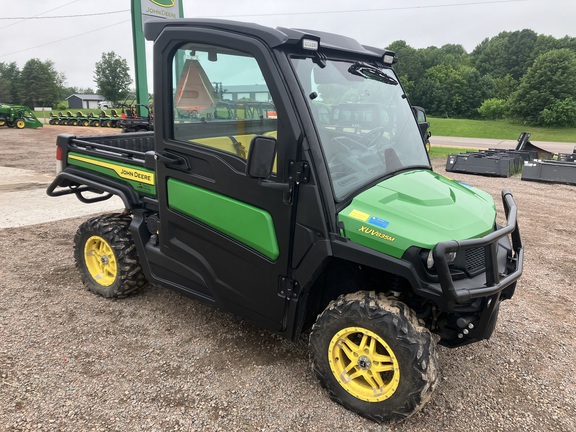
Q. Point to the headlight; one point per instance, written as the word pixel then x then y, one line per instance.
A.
pixel 450 257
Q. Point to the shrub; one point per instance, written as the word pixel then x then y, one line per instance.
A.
pixel 493 109
pixel 560 113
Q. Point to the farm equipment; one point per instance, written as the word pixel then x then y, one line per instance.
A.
pixel 137 117
pixel 561 170
pixel 105 120
pixel 130 121
pixel 496 162
pixel 66 119
pixel 55 119
pixel 297 221
pixel 81 119
pixel 18 116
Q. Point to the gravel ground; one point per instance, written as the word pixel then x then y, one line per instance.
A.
pixel 71 361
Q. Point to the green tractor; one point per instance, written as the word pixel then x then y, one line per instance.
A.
pixel 18 116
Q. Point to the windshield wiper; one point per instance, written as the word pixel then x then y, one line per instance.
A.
pixel 368 71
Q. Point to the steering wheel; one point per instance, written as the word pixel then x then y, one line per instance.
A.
pixel 374 137
pixel 337 166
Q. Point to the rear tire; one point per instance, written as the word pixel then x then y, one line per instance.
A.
pixel 373 356
pixel 106 257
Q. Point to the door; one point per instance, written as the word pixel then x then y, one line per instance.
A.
pixel 226 236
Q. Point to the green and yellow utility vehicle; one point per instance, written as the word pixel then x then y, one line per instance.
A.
pixel 300 219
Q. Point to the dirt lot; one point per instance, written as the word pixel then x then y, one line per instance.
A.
pixel 71 361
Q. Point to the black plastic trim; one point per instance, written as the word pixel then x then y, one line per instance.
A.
pixel 72 177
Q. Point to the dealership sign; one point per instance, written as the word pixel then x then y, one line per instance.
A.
pixel 142 11
pixel 160 9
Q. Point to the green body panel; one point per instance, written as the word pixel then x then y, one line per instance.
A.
pixel 417 208
pixel 249 225
pixel 141 179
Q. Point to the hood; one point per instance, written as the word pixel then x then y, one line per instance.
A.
pixel 417 208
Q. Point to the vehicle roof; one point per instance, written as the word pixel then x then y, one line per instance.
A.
pixel 273 37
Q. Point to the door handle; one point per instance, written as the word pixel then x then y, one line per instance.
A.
pixel 150 157
pixel 168 159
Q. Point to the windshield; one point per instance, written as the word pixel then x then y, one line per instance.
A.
pixel 366 127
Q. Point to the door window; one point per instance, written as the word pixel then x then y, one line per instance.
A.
pixel 220 99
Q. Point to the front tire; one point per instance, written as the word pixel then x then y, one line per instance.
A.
pixel 106 257
pixel 373 356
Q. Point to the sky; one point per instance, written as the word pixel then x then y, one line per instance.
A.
pixel 73 34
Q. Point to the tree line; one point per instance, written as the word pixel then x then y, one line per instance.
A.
pixel 39 84
pixel 520 75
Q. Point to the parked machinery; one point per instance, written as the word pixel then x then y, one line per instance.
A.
pixel 18 116
pixel 102 119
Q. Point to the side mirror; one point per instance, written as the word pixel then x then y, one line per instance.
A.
pixel 261 157
pixel 423 124
pixel 419 114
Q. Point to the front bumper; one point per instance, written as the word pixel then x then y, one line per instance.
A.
pixel 497 276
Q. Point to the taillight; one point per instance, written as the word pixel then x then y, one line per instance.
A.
pixel 59 159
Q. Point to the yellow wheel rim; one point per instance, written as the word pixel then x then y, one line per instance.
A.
pixel 100 261
pixel 20 124
pixel 364 364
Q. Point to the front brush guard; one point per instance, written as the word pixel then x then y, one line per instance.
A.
pixel 495 281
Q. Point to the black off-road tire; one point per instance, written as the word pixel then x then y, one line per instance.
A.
pixel 106 257
pixel 374 357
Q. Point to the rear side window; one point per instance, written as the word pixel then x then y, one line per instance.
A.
pixel 220 99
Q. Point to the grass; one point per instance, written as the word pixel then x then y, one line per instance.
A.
pixel 443 152
pixel 497 129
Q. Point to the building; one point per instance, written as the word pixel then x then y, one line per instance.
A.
pixel 84 101
pixel 256 92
